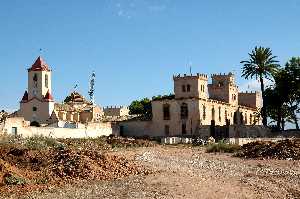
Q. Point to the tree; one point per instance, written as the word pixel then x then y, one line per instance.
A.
pixel 261 65
pixel 141 107
pixel 292 87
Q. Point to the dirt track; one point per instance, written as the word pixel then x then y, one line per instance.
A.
pixel 182 172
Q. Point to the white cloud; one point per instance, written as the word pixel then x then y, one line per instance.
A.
pixel 254 85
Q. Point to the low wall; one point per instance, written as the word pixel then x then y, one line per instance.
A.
pixel 136 128
pixel 242 141
pixel 17 126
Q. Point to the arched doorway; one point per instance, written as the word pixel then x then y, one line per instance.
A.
pixel 35 123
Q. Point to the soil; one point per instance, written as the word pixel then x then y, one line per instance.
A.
pixel 188 172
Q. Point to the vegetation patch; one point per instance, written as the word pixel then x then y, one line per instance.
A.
pixel 222 147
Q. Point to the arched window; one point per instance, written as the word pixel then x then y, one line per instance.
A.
pixel 242 118
pixel 46 81
pixel 35 79
pixel 250 118
pixel 225 114
pixel 166 111
pixel 184 111
pixel 183 88
pixel 213 113
pixel 188 88
pixel 204 112
pixel 235 118
pixel 246 119
pixel 219 114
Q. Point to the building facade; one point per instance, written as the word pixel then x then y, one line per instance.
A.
pixel 197 103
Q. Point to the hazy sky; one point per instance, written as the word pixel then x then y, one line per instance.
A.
pixel 135 46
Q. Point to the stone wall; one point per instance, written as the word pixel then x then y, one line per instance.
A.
pixel 250 99
pixel 136 128
pixel 116 111
pixel 17 126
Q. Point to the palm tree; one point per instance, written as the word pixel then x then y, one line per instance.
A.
pixel 261 65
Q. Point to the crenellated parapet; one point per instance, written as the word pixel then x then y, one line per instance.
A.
pixel 185 76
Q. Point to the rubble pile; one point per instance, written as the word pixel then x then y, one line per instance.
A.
pixel 283 150
pixel 63 163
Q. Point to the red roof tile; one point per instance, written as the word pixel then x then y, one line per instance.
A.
pixel 39 65
pixel 48 96
pixel 25 97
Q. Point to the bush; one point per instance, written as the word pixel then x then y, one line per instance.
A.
pixel 222 147
pixel 10 179
pixel 40 142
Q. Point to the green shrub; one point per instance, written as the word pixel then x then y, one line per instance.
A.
pixel 10 179
pixel 222 148
pixel 40 142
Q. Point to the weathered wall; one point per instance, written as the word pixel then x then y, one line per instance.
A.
pixel 41 115
pixel 195 82
pixel 90 130
pixel 116 111
pixel 251 99
pixel 136 128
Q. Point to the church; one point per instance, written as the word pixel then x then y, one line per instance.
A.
pixel 38 105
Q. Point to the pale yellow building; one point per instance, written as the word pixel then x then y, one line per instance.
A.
pixel 197 103
pixel 199 108
pixel 39 107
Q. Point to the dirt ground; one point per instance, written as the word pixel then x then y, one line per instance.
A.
pixel 189 172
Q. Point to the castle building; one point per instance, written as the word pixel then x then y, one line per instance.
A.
pixel 38 106
pixel 197 103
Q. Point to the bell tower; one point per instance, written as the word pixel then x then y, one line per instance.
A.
pixel 39 79
pixel 37 103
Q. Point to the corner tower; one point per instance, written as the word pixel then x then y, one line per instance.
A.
pixel 190 86
pixel 223 88
pixel 37 103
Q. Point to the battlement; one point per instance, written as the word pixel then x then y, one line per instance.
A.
pixel 191 76
pixel 249 92
pixel 224 75
pixel 115 107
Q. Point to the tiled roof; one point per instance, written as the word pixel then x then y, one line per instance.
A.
pixel 25 97
pixel 48 96
pixel 39 65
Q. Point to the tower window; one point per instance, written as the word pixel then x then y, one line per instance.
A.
pixel 188 88
pixel 34 109
pixel 183 88
pixel 46 81
pixel 35 77
pixel 166 111
pixel 184 112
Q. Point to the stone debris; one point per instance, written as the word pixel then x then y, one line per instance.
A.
pixel 64 163
pixel 283 150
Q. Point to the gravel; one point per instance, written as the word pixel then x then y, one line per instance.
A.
pixel 183 172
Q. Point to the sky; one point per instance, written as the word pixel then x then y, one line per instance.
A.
pixel 136 46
